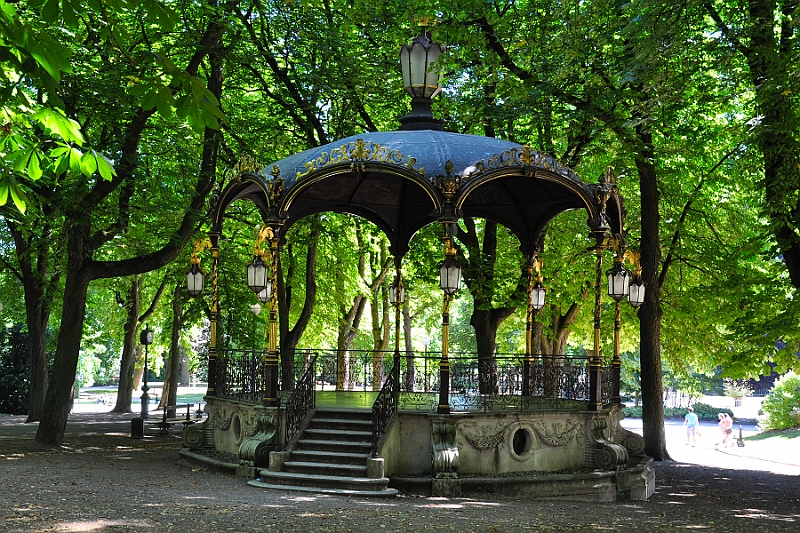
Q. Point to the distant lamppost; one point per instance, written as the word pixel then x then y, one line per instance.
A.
pixel 145 338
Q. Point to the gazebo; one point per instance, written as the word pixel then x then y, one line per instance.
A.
pixel 529 423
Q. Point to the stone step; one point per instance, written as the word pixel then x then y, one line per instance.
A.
pixel 326 469
pixel 335 457
pixel 350 416
pixel 334 446
pixel 337 434
pixel 341 424
pixel 352 486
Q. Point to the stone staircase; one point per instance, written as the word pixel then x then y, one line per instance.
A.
pixel 330 456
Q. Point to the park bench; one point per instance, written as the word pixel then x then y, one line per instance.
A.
pixel 187 420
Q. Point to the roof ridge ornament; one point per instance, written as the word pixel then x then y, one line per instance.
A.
pixel 275 185
pixel 449 183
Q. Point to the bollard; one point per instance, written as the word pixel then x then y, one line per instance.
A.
pixel 740 440
pixel 137 427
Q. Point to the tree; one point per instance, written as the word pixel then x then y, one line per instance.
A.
pixel 96 214
pixel 133 321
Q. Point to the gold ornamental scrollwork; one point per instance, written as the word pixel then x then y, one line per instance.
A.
pixel 449 183
pixel 275 185
pixel 358 153
pixel 525 157
pixel 247 163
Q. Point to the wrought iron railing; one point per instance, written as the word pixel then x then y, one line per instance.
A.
pixel 385 406
pixel 607 383
pixel 240 375
pixel 554 381
pixel 300 402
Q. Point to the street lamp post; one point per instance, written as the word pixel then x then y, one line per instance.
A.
pixel 146 338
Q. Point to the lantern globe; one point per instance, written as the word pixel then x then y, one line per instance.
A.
pixel 397 294
pixel 421 77
pixel 538 293
pixel 265 294
pixel 636 292
pixel 618 281
pixel 257 274
pixel 194 280
pixel 450 275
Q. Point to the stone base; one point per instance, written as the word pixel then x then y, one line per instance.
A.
pixel 446 487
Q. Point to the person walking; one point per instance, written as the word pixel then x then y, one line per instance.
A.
pixel 728 429
pixel 691 421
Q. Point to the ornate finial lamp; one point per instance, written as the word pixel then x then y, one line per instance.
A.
pixel 421 79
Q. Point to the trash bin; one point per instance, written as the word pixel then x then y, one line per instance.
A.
pixel 137 427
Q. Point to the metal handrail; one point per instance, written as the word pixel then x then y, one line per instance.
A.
pixel 385 406
pixel 301 402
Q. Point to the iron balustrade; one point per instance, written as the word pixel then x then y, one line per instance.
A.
pixel 301 401
pixel 475 384
pixel 385 406
pixel 241 375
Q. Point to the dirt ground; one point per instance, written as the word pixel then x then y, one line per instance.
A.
pixel 104 481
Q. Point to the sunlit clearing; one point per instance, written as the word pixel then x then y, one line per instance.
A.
pixel 91 525
pixel 768 516
pixel 443 505
pixel 302 499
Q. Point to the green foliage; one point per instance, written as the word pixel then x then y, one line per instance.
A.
pixel 736 388
pixel 14 368
pixel 702 410
pixel 781 407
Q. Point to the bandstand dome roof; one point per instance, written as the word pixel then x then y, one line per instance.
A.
pixel 404 180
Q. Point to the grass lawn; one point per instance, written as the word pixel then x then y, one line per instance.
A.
pixel 781 445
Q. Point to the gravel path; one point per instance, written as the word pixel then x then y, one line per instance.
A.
pixel 104 481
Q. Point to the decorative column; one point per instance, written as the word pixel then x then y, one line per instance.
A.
pixel 449 282
pixel 397 296
pixel 536 295
pixel 213 316
pixel 271 361
pixel 444 363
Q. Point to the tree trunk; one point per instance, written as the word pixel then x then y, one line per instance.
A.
pixel 290 337
pixel 650 313
pixel 381 328
pixel 485 320
pixel 35 283
pixel 125 389
pixel 170 390
pixel 59 391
